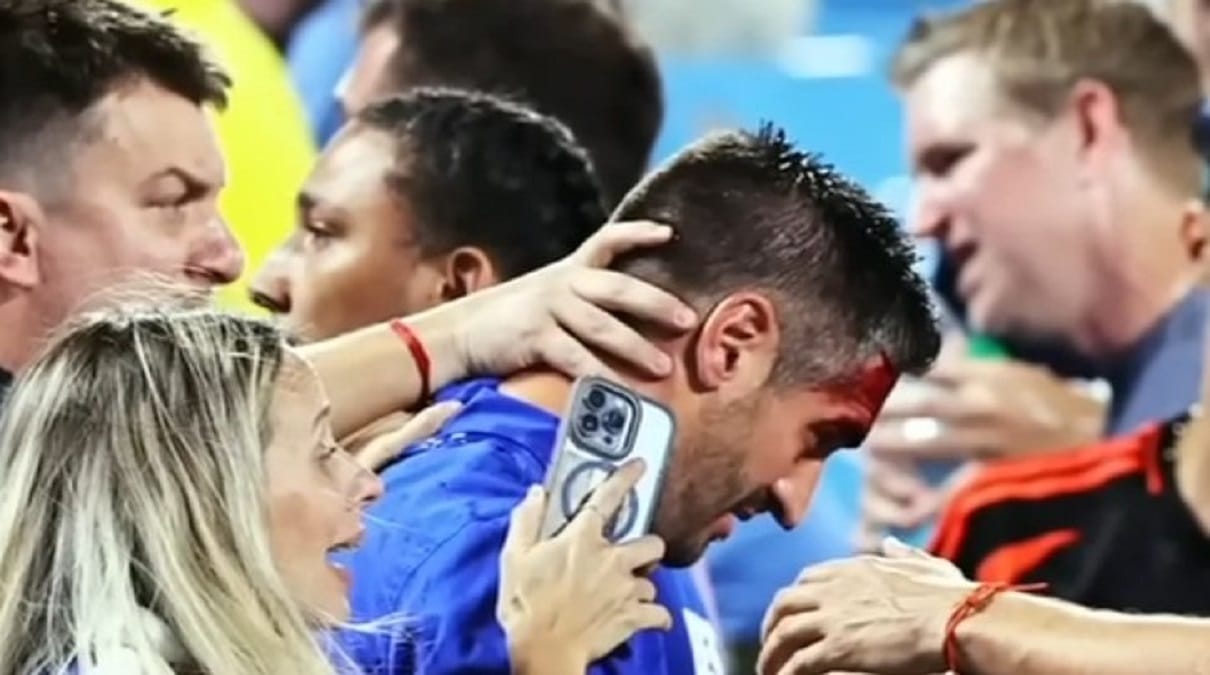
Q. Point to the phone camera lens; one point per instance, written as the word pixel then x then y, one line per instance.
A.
pixel 589 424
pixel 595 399
pixel 614 420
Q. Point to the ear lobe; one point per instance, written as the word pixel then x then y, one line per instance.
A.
pixel 737 343
pixel 20 224
pixel 467 270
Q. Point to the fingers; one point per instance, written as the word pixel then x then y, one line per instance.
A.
pixel 383 449
pixel 598 328
pixel 894 497
pixel 624 294
pixel 648 616
pixel 644 590
pixel 788 636
pixel 809 661
pixel 525 523
pixel 615 238
pixel 791 600
pixel 608 497
pixel 569 356
pixel 640 553
pixel 947 404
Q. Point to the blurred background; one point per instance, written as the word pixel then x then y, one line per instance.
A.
pixel 818 68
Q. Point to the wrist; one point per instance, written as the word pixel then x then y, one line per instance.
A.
pixel 440 331
pixel 543 657
pixel 988 636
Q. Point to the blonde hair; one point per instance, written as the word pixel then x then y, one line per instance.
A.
pixel 132 483
pixel 1039 49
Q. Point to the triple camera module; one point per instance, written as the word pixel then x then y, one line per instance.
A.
pixel 601 422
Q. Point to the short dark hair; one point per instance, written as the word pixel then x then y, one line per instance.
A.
pixel 575 60
pixel 751 211
pixel 60 57
pixel 475 170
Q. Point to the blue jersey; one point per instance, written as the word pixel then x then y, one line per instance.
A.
pixel 431 554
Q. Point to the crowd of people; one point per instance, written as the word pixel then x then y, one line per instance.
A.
pixel 352 481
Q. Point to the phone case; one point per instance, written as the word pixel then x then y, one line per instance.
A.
pixel 582 460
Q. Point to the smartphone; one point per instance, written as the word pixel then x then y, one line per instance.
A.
pixel 605 426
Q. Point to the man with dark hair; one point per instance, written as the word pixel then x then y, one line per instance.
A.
pixel 428 197
pixel 575 60
pixel 809 311
pixel 109 164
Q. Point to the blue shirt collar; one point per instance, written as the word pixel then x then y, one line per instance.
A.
pixel 485 407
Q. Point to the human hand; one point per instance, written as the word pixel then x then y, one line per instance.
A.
pixel 967 408
pixel 567 601
pixel 559 314
pixel 379 443
pixel 884 615
pixel 896 497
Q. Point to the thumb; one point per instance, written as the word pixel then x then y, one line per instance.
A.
pixel 525 523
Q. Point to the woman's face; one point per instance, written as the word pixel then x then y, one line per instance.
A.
pixel 316 493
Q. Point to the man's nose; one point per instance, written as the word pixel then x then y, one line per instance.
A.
pixel 219 258
pixel 929 216
pixel 794 493
pixel 271 285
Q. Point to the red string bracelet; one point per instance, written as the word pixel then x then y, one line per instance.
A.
pixel 972 604
pixel 420 355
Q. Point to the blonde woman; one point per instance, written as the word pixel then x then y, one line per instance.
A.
pixel 170 490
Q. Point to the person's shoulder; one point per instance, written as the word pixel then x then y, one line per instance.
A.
pixel 1033 507
pixel 495 446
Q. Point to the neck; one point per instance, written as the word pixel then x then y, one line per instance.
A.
pixel 546 389
pixel 1150 271
pixel 550 390
pixel 20 339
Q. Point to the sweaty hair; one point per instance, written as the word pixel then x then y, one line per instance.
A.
pixel 133 510
pixel 58 58
pixel 575 60
pixel 1039 49
pixel 752 212
pixel 477 171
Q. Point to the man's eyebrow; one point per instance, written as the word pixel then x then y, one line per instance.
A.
pixel 190 180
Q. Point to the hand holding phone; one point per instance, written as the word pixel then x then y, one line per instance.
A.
pixel 606 426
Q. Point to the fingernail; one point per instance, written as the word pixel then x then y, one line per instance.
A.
pixel 686 318
pixel 662 364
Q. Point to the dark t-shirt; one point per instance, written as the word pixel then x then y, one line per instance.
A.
pixel 1102 526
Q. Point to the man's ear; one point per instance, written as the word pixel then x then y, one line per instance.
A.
pixel 737 344
pixel 1098 122
pixel 21 222
pixel 1195 229
pixel 467 270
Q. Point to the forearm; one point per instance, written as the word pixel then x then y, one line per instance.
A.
pixel 1020 634
pixel 544 661
pixel 371 372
